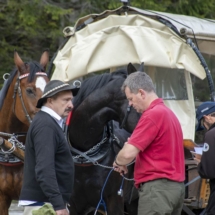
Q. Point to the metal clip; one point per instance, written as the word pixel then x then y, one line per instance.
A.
pixel 120 192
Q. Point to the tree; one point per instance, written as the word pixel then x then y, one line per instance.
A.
pixel 30 26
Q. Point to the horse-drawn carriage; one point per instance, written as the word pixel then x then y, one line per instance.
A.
pixel 170 47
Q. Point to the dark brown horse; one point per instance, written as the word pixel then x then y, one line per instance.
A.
pixel 18 99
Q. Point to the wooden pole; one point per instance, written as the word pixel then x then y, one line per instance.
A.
pixel 5 145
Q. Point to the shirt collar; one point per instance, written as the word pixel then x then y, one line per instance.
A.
pixel 53 114
pixel 154 103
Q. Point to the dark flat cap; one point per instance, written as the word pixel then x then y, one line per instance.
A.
pixel 54 87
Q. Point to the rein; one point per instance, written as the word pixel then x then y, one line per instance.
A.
pixel 18 88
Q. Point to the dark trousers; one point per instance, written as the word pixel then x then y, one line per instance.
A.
pixel 161 197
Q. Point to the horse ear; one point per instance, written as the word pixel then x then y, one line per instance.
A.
pixel 141 68
pixel 19 63
pixel 44 59
pixel 131 68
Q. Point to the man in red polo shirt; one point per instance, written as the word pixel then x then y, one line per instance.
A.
pixel 157 145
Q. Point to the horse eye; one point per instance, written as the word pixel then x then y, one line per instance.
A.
pixel 30 91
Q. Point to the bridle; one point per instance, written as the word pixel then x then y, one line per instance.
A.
pixel 6 157
pixel 96 153
pixel 17 88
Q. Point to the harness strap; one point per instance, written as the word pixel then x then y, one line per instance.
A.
pixel 78 152
pixel 82 154
pixel 131 194
pixel 14 94
pixel 23 105
pixel 17 88
pixel 126 116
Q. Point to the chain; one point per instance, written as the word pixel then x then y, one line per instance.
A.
pixel 15 143
pixel 128 179
pixel 14 140
pixel 104 166
pixel 110 167
pixel 92 149
pixel 101 165
pixel 9 151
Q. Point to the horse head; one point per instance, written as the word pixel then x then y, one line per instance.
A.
pixel 23 88
pixel 30 84
pixel 100 100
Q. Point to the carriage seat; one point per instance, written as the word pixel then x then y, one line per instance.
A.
pixel 197 193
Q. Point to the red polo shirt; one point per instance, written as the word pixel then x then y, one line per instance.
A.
pixel 158 136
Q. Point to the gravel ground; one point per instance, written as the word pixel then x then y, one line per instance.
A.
pixel 15 210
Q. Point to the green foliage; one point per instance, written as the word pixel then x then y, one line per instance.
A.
pixel 157 5
pixel 198 8
pixel 29 27
pixel 201 87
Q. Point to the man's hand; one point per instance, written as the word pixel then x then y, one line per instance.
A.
pixel 196 157
pixel 62 212
pixel 121 169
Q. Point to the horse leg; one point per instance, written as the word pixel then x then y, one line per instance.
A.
pixel 132 208
pixel 10 186
pixel 4 204
pixel 115 205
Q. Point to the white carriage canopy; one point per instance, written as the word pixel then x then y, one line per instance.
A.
pixel 114 38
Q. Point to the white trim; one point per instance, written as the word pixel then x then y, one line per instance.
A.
pixel 63 85
pixel 27 74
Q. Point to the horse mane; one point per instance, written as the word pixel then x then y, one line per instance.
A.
pixel 96 82
pixel 34 68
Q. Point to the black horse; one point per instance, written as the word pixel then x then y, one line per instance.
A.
pixel 100 100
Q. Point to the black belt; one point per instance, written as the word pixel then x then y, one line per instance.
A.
pixel 141 184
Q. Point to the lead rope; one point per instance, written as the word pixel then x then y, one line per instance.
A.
pixel 120 191
pixel 102 201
